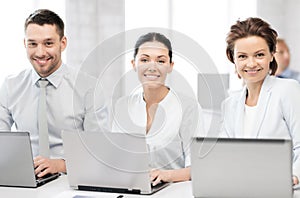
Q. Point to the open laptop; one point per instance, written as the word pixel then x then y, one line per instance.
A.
pixel 108 162
pixel 256 168
pixel 16 161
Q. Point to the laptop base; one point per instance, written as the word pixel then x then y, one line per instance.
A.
pixel 123 190
pixel 48 178
pixel 107 189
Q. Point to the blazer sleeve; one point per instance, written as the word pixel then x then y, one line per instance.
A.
pixel 291 113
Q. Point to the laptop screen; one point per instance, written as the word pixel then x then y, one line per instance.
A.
pixel 238 167
pixel 16 162
pixel 109 160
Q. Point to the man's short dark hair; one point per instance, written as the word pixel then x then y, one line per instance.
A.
pixel 44 16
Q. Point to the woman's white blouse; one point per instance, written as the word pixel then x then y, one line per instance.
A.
pixel 249 121
pixel 176 121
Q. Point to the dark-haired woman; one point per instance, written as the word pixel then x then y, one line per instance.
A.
pixel 168 119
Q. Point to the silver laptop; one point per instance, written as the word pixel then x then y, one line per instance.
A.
pixel 16 161
pixel 108 162
pixel 256 168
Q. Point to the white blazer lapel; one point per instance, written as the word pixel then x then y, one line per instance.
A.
pixel 262 104
pixel 239 114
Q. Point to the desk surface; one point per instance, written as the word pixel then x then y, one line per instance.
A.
pixel 59 188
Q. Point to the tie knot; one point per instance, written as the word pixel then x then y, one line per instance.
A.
pixel 43 83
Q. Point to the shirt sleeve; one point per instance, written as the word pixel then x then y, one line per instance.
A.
pixel 192 125
pixel 6 120
pixel 97 116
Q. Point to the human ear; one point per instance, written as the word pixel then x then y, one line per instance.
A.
pixel 133 64
pixel 63 43
pixel 170 69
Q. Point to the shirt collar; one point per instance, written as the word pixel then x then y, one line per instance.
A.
pixel 55 78
pixel 142 99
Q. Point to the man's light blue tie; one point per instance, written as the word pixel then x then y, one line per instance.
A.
pixel 42 120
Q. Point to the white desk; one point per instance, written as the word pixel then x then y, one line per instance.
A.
pixel 48 190
pixel 59 188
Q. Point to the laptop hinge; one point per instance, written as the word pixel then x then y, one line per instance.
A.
pixel 107 189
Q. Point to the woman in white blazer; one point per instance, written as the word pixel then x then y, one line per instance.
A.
pixel 267 107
